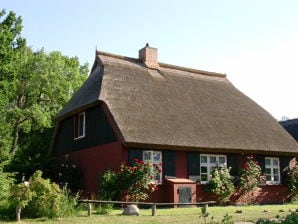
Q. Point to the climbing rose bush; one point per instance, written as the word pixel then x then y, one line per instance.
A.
pixel 250 175
pixel 292 181
pixel 130 183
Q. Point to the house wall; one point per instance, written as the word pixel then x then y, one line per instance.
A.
pixel 97 132
pixel 95 161
pixel 268 194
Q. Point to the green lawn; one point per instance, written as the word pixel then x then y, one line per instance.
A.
pixel 179 215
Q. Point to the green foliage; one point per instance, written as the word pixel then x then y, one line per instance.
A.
pixel 221 184
pixel 131 183
pixel 20 195
pixel 204 214
pixel 10 43
pixel 250 175
pixel 48 200
pixel 6 180
pixel 227 219
pixel 109 189
pixel 34 85
pixel 292 181
pixel 291 219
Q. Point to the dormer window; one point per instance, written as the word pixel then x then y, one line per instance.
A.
pixel 79 125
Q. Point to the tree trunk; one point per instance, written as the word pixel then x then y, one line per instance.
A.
pixel 15 139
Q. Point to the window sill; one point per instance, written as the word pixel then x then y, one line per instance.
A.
pixel 78 138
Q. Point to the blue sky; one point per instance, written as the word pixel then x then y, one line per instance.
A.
pixel 254 42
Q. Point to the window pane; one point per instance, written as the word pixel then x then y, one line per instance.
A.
pixel 268 177
pixel 276 178
pixel 203 169
pixel 212 159
pixel 156 156
pixel 203 159
pixel 268 171
pixel 157 176
pixel 81 125
pixel 222 160
pixel 275 171
pixel 275 162
pixel 204 177
pixel 147 156
pixel 267 162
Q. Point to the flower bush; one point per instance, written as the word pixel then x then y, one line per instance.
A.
pixel 250 175
pixel 131 183
pixel 221 184
pixel 292 181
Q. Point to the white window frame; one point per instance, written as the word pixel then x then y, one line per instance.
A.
pixel 77 134
pixel 210 164
pixel 154 157
pixel 272 167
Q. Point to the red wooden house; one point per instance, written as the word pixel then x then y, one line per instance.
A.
pixel 190 120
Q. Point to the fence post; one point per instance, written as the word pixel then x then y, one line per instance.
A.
pixel 205 208
pixel 89 207
pixel 18 213
pixel 153 209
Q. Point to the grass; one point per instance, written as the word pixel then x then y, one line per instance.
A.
pixel 179 215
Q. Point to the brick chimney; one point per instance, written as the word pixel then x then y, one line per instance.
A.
pixel 148 55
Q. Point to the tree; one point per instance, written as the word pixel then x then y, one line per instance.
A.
pixel 10 43
pixel 34 86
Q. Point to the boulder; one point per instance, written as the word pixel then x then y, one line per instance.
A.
pixel 131 210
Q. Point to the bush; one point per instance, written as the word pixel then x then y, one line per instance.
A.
pixel 250 175
pixel 221 184
pixel 131 183
pixel 292 181
pixel 6 180
pixel 291 219
pixel 45 199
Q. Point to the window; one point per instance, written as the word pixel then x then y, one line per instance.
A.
pixel 208 162
pixel 154 158
pixel 79 125
pixel 272 172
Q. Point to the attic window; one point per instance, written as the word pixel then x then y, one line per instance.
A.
pixel 79 125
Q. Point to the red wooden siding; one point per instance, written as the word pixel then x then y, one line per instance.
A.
pixel 95 161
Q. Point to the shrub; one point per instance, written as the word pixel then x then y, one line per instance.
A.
pixel 292 181
pixel 221 184
pixel 131 183
pixel 250 175
pixel 291 219
pixel 6 180
pixel 48 200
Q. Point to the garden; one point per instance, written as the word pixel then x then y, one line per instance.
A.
pixel 40 200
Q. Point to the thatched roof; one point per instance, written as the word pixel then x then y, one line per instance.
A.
pixel 176 107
